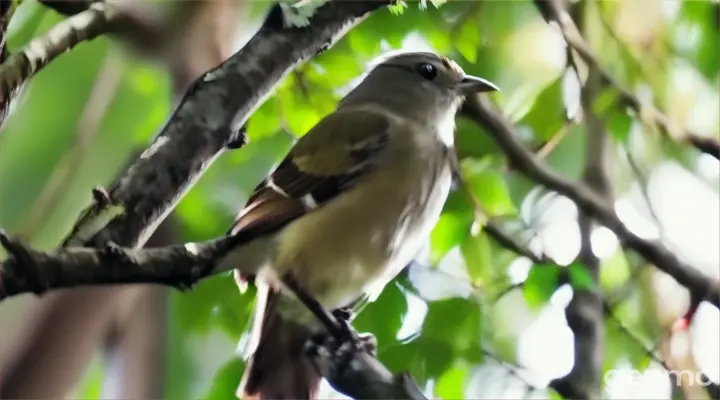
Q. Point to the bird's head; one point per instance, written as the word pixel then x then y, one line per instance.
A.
pixel 433 72
pixel 418 83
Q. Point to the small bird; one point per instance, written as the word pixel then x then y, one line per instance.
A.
pixel 352 204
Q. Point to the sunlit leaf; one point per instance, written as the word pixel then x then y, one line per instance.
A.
pixel 91 385
pixel 384 317
pixel 454 321
pixel 700 17
pixel 554 395
pixel 226 380
pixel 489 188
pixel 423 358
pixel 265 120
pixel 622 345
pixel 619 124
pixel 614 270
pixel 451 384
pixel 541 283
pixel 580 277
pixel 477 252
pixel 547 114
pixel 449 232
pixel 468 40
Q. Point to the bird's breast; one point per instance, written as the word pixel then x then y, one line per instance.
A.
pixel 363 238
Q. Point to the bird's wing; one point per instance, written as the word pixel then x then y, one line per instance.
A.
pixel 328 160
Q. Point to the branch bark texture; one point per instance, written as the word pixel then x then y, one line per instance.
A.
pixel 207 120
pixel 179 265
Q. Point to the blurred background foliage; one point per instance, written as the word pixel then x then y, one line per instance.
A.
pixel 457 319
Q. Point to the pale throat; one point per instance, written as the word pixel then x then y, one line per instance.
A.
pixel 445 127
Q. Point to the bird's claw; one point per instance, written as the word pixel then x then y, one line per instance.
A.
pixel 333 354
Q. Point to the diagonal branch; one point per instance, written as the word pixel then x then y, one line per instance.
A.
pixel 208 120
pixel 98 19
pixel 551 12
pixel 481 111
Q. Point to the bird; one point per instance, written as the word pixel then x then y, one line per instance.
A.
pixel 351 204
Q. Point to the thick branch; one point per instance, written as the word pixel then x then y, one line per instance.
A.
pixel 551 12
pixel 481 111
pixel 27 270
pixel 364 377
pixel 98 19
pixel 207 120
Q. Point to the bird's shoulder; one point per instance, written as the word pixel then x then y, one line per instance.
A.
pixel 326 161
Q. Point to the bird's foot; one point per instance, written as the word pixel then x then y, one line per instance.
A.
pixel 350 338
pixel 333 355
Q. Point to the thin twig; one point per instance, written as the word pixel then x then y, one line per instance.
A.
pixel 553 13
pixel 643 183
pixel 481 111
pixel 87 25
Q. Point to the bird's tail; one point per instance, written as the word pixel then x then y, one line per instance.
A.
pixel 277 367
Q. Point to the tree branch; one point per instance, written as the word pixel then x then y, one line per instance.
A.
pixel 98 19
pixel 28 270
pixel 584 314
pixel 6 12
pixel 552 12
pixel 364 377
pixel 481 111
pixel 207 120
pixel 204 124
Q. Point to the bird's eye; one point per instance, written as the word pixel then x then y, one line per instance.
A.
pixel 427 71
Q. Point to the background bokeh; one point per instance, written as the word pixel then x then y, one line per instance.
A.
pixel 458 319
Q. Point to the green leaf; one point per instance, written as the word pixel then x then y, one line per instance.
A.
pixel 488 187
pixel 91 384
pixel 554 395
pixel 621 347
pixel 451 383
pixel 541 283
pixel 467 40
pixel 580 277
pixel 423 358
pixel 215 302
pixel 265 121
pixel 455 321
pixel 605 101
pixel 548 113
pixel 226 380
pixel 450 230
pixel 384 317
pixel 477 252
pixel 619 124
pixel 700 17
pixel 614 270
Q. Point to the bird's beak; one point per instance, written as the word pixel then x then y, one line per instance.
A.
pixel 472 84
